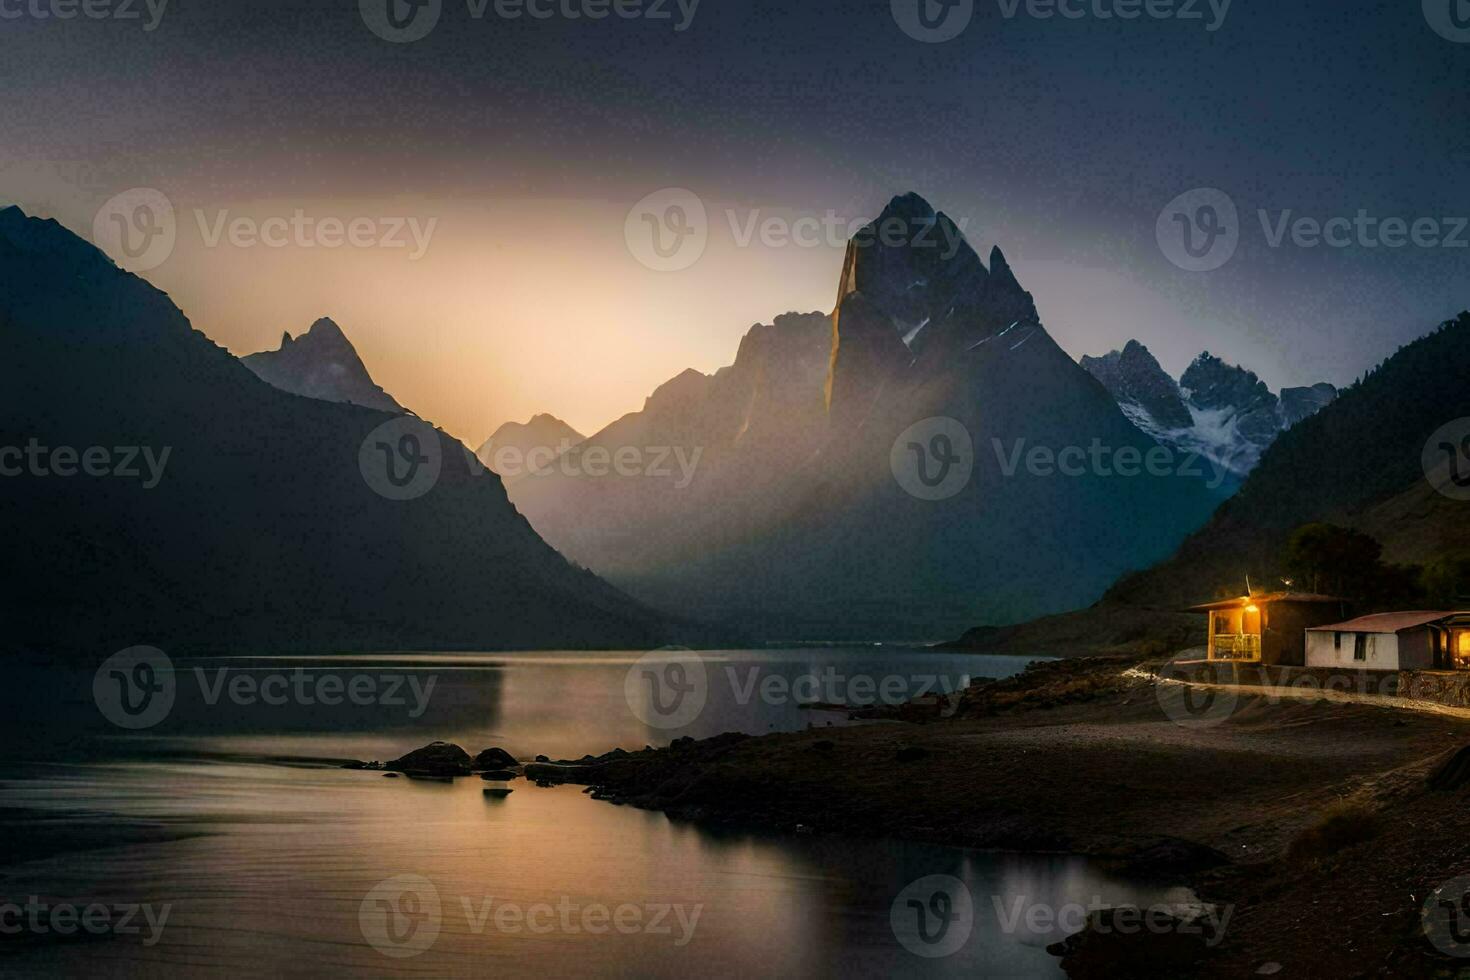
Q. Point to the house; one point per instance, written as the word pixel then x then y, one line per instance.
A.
pixel 1267 628
pixel 1420 640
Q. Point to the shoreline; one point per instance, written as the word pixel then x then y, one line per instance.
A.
pixel 1082 756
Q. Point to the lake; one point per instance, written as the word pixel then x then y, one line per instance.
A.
pixel 229 841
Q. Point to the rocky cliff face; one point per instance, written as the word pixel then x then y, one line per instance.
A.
pixel 1144 391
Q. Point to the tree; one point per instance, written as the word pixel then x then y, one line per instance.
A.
pixel 1326 557
pixel 1446 581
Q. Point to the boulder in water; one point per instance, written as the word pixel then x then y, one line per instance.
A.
pixel 434 759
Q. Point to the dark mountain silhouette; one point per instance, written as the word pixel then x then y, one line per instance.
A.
pixel 524 446
pixel 321 363
pixel 1359 463
pixel 1219 410
pixel 795 518
pixel 1355 461
pixel 1136 380
pixel 263 531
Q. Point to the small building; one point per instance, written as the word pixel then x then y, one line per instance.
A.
pixel 1418 640
pixel 1267 628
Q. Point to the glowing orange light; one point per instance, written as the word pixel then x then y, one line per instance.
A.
pixel 1251 608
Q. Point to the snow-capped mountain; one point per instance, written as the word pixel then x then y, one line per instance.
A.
pixel 1218 410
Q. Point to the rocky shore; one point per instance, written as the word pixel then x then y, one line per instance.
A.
pixel 1322 826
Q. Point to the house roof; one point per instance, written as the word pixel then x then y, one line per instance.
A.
pixel 1390 622
pixel 1265 597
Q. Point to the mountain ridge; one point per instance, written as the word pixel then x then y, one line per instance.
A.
pixel 1219 410
pixel 796 517
pixel 264 531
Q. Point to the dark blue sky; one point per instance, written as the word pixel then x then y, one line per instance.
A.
pixel 1061 139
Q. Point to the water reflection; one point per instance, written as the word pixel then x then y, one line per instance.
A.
pixel 270 864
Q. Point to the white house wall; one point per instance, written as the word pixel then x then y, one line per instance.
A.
pixel 1383 651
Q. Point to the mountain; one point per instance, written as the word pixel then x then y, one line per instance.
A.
pixel 710 460
pixel 269 520
pixel 1145 393
pixel 1220 411
pixel 1358 463
pixel 518 448
pixel 880 472
pixel 321 363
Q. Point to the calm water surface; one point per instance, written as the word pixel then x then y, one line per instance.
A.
pixel 270 861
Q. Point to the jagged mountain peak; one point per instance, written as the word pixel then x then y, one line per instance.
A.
pixel 1222 411
pixel 326 327
pixel 1145 392
pixel 321 363
pixel 1000 270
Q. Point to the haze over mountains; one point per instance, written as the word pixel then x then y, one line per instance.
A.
pixel 794 518
pixel 1358 463
pixel 1216 409
pixel 321 363
pixel 265 528
pixel 519 448
pixel 895 469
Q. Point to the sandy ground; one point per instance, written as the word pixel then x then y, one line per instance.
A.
pixel 1095 757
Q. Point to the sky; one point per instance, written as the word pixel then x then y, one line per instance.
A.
pixel 524 149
